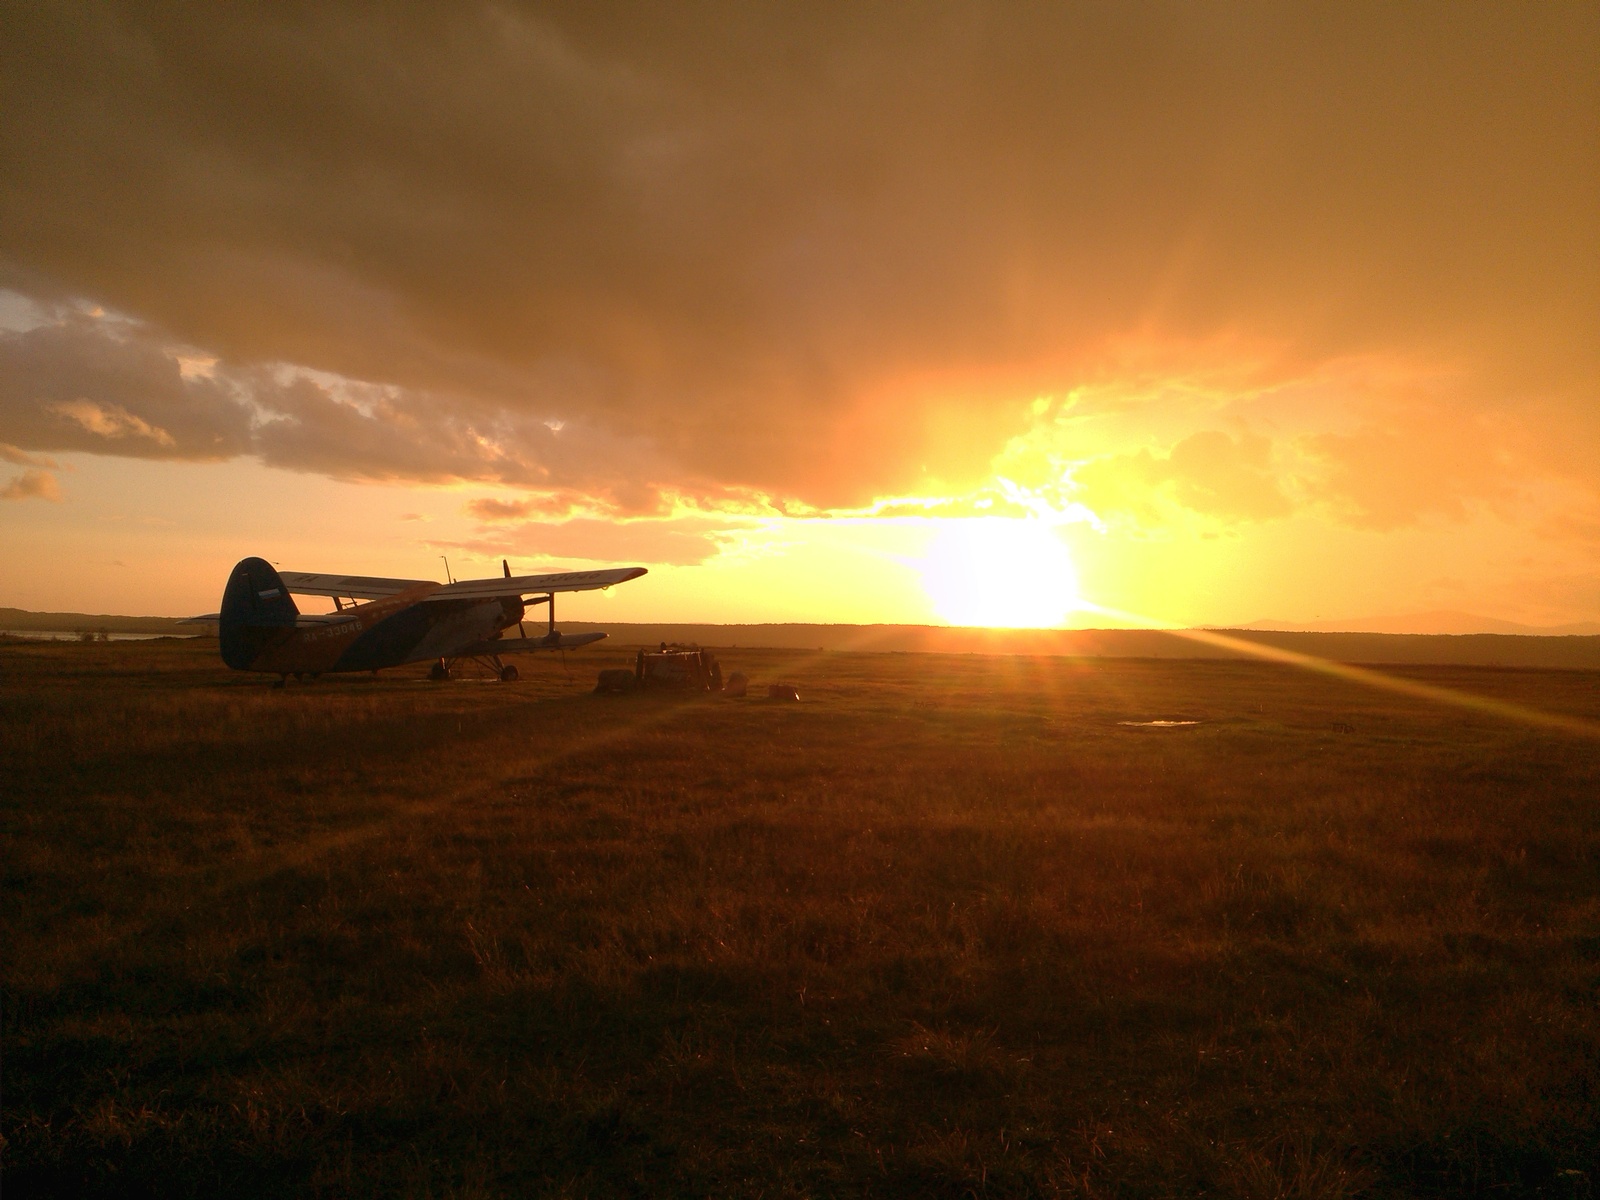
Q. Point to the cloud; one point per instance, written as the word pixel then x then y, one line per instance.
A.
pixel 351 430
pixel 683 541
pixel 491 510
pixel 1227 477
pixel 40 485
pixel 111 385
pixel 1407 462
pixel 22 458
pixel 810 255
pixel 109 421
pixel 1381 480
pixel 85 383
pixel 1213 474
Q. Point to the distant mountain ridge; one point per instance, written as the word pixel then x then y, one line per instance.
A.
pixel 1439 622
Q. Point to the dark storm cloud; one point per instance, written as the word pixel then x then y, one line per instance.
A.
pixel 86 383
pixel 396 435
pixel 808 250
pixel 105 385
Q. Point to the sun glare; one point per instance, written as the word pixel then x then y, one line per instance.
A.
pixel 1000 571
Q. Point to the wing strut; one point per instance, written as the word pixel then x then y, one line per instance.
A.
pixel 549 599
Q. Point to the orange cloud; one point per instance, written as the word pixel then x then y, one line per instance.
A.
pixel 491 511
pixel 110 421
pixel 40 485
pixel 680 542
pixel 1415 463
pixel 488 509
pixel 22 458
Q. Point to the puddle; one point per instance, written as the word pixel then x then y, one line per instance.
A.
pixel 1158 724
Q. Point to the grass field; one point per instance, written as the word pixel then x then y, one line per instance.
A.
pixel 944 928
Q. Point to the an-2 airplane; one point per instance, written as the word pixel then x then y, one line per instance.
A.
pixel 401 620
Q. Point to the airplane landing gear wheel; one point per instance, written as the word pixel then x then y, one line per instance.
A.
pixel 508 674
pixel 439 672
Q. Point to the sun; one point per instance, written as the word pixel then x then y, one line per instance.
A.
pixel 1000 571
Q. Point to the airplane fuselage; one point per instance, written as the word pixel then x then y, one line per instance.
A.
pixel 402 631
pixel 383 633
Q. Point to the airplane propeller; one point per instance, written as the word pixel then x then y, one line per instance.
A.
pixel 505 565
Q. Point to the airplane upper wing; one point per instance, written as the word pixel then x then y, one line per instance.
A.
pixel 357 587
pixel 527 585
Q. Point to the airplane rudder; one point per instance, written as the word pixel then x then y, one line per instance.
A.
pixel 255 600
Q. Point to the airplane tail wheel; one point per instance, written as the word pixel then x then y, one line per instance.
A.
pixel 438 672
pixel 508 674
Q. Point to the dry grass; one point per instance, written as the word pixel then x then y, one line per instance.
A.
pixel 943 928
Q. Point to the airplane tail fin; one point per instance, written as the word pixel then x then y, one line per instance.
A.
pixel 254 605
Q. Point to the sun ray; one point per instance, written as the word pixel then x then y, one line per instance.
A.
pixel 1365 676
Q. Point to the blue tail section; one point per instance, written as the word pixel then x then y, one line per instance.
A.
pixel 255 606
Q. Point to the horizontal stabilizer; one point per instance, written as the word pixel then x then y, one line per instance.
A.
pixel 561 641
pixel 203 619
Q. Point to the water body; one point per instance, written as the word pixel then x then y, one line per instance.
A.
pixel 74 635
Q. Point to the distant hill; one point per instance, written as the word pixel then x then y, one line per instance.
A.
pixel 1442 622
pixel 1467 649
pixel 68 622
pixel 1489 649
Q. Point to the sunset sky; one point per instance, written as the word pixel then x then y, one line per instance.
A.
pixel 968 313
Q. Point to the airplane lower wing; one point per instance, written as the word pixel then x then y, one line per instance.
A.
pixel 526 645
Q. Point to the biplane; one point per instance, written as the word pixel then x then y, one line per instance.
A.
pixel 378 623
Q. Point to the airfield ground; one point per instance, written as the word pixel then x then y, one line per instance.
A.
pixel 947 927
